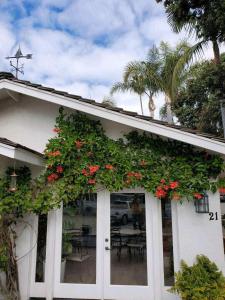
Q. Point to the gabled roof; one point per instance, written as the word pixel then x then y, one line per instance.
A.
pixel 20 152
pixel 116 114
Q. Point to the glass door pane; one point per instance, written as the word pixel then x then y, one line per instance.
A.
pixel 78 259
pixel 128 239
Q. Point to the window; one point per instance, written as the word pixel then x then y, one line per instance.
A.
pixel 167 233
pixel 41 248
pixel 78 261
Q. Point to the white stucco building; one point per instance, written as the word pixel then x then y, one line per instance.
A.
pixel 131 271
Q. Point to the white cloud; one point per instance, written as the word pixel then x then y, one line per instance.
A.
pixel 83 46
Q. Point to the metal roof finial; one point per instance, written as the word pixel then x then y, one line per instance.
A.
pixel 18 68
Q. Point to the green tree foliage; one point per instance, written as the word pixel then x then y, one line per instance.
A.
pixel 202 281
pixel 197 105
pixel 203 17
pixel 163 71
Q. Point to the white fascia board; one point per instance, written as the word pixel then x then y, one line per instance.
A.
pixel 6 150
pixel 28 157
pixel 21 155
pixel 101 112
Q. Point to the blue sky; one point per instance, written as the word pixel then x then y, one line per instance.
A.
pixel 82 46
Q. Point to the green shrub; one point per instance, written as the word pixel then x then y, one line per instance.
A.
pixel 202 281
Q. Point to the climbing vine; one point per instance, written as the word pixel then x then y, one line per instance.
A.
pixel 81 159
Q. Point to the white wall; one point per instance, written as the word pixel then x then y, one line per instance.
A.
pixel 30 122
pixel 196 234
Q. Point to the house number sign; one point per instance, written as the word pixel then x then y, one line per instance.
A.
pixel 213 216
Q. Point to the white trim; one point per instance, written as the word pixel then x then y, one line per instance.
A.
pixel 21 155
pixel 101 112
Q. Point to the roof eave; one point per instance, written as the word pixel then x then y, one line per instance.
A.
pixel 119 117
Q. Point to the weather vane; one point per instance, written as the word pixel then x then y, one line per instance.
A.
pixel 18 68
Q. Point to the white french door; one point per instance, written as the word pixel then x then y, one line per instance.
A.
pixel 129 272
pixel 108 247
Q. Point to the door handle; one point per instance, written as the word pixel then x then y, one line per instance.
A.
pixel 107 248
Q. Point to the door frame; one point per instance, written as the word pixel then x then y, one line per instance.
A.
pixel 102 289
pixel 128 292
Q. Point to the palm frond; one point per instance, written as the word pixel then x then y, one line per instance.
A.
pixel 119 87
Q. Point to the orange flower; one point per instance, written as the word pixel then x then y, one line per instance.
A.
pixel 57 130
pixel 222 190
pixel 54 154
pixel 198 196
pixel 174 184
pixel 138 175
pixel 91 181
pixel 160 193
pixel 84 172
pixel 93 169
pixel 109 167
pixel 52 177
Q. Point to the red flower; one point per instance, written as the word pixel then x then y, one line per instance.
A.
pixel 130 174
pixel 174 184
pixel 91 181
pixel 78 144
pixel 57 130
pixel 84 172
pixel 52 177
pixel 166 187
pixel 222 190
pixel 198 196
pixel 160 193
pixel 109 167
pixel 59 169
pixel 93 169
pixel 138 175
pixel 163 181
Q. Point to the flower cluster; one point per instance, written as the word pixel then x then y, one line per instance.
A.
pixel 82 154
pixel 163 189
pixel 53 177
pixel 54 153
pixel 198 196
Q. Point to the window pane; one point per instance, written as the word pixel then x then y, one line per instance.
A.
pixel 167 242
pixel 78 264
pixel 128 239
pixel 41 248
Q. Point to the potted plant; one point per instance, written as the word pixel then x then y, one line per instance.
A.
pixel 202 281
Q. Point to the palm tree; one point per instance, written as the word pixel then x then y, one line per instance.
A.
pixel 163 71
pixel 133 84
pixel 168 74
pixel 141 70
